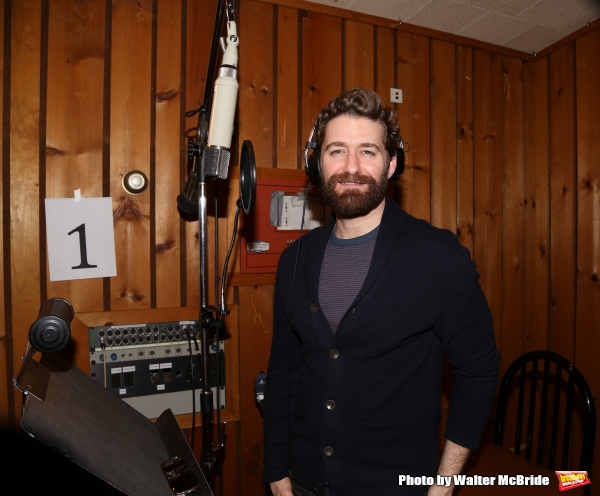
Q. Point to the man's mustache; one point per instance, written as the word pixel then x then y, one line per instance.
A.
pixel 346 177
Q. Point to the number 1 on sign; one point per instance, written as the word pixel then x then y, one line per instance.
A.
pixel 82 248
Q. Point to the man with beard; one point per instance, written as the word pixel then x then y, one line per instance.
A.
pixel 364 308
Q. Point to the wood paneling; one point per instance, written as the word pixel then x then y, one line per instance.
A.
pixel 385 63
pixel 4 383
pixel 464 146
pixel 24 172
pixel 256 80
pixel 443 135
pixel 501 151
pixel 289 135
pixel 359 55
pixel 562 203
pixel 412 76
pixel 74 118
pixel 513 254
pixel 587 334
pixel 488 148
pixel 537 264
pixel 256 310
pixel 165 178
pixel 130 149
pixel 321 64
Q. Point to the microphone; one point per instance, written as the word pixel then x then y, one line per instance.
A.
pixel 51 332
pixel 220 130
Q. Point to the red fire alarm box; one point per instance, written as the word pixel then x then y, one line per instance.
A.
pixel 275 222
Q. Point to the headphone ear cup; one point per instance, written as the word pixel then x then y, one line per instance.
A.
pixel 399 154
pixel 313 168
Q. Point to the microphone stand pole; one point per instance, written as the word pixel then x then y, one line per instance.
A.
pixel 207 320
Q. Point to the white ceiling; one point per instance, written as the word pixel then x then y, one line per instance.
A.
pixel 525 25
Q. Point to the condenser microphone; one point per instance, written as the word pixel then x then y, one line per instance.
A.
pixel 220 129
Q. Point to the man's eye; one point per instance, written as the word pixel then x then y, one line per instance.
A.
pixel 336 152
pixel 368 152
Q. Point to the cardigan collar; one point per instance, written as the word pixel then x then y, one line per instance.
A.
pixel 389 230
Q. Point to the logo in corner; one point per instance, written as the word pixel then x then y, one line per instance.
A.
pixel 570 479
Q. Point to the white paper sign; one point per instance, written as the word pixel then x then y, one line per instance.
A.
pixel 81 238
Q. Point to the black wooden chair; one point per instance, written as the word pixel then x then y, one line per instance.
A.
pixel 548 381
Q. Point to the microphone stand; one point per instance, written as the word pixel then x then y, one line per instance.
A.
pixel 209 316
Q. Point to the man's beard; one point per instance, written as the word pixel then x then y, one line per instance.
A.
pixel 354 203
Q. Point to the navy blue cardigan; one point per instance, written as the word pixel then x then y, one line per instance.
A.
pixel 365 401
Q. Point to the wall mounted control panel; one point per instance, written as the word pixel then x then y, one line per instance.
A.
pixel 150 367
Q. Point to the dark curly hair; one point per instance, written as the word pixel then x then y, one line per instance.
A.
pixel 360 103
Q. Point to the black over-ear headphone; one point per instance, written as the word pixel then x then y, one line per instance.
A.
pixel 312 162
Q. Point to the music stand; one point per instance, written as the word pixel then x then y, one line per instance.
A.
pixel 96 430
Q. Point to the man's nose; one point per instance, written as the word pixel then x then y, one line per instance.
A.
pixel 352 164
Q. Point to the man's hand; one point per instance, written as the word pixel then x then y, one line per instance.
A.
pixel 454 458
pixel 282 487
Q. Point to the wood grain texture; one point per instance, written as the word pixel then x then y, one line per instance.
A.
pixel 130 149
pixel 321 64
pixel 412 76
pixel 359 55
pixel 5 387
pixel 443 135
pixel 513 274
pixel 256 80
pixel 74 122
pixel 402 28
pixel 256 311
pixel 488 177
pixel 385 64
pixel 169 137
pixel 588 214
pixel 537 265
pixel 288 137
pixel 464 146
pixel 200 18
pixel 24 174
pixel 562 203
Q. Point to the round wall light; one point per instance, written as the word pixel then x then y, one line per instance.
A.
pixel 134 182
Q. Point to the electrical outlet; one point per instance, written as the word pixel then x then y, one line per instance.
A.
pixel 396 95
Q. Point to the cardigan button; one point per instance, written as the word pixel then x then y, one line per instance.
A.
pixel 334 353
pixel 328 450
pixel 330 404
pixel 314 308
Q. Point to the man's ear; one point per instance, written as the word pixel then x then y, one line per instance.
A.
pixel 392 167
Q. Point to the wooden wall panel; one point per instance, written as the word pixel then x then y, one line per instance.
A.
pixel 488 177
pixel 587 340
pixel 24 173
pixel 359 55
pixel 385 64
pixel 562 191
pixel 256 80
pixel 166 180
pixel 443 135
pixel 256 311
pixel 4 375
pixel 74 121
pixel 525 209
pixel 130 149
pixel 464 146
pixel 200 19
pixel 290 137
pixel 537 196
pixel 321 64
pixel 513 335
pixel 412 77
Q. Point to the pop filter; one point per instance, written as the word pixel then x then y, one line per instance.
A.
pixel 248 177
